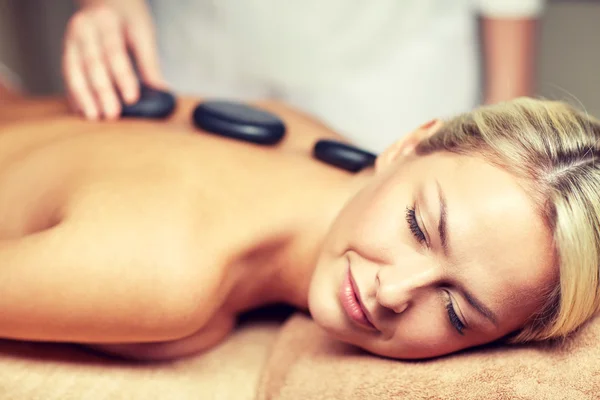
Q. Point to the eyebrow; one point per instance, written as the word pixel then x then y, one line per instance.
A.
pixel 443 233
pixel 442 228
pixel 480 307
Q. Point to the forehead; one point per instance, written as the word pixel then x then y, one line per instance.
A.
pixel 494 230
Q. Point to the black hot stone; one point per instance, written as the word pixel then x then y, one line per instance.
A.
pixel 239 121
pixel 343 155
pixel 153 103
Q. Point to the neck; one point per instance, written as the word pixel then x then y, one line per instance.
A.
pixel 293 264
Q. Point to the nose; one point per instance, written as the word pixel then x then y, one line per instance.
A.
pixel 397 287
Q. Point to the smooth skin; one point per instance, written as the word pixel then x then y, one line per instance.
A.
pixel 147 239
pixel 493 250
pixel 147 232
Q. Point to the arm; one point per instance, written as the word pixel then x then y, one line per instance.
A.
pixel 76 283
pixel 509 52
pixel 215 330
pixel 509 47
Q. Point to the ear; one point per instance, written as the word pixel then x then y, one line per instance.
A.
pixel 407 144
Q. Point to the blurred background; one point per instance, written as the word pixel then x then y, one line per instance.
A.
pixel 569 60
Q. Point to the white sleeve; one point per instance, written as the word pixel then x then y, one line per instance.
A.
pixel 510 8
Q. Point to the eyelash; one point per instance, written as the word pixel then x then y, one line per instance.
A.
pixel 454 320
pixel 413 225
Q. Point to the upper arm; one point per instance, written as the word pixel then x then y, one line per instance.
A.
pixel 212 333
pixel 91 283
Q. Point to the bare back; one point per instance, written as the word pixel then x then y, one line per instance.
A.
pixel 124 230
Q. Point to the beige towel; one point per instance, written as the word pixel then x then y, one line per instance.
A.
pixel 306 364
pixel 56 372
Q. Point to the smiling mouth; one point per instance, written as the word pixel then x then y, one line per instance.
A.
pixel 350 299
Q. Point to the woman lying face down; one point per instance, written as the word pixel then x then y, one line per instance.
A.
pixel 467 231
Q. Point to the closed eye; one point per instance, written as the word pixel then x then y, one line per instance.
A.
pixel 413 225
pixel 453 316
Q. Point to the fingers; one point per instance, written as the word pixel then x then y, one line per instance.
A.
pixel 120 67
pixel 92 53
pixel 114 51
pixel 80 93
pixel 96 65
pixel 143 45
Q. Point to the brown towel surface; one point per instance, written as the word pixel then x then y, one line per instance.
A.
pixel 57 372
pixel 306 364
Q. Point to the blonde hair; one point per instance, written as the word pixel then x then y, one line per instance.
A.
pixel 555 150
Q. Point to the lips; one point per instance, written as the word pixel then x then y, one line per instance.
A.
pixel 350 299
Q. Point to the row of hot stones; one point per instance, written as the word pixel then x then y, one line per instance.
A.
pixel 240 121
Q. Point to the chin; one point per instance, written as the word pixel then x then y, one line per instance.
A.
pixel 326 311
pixel 335 325
pixel 325 308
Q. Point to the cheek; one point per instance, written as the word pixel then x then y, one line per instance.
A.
pixel 422 332
pixel 372 219
pixel 424 346
pixel 325 284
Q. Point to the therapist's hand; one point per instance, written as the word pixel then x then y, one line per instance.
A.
pixel 96 64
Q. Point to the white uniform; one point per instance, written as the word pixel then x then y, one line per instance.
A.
pixel 373 70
